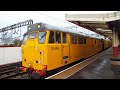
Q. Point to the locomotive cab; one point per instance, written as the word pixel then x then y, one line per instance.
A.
pixel 41 43
pixel 33 50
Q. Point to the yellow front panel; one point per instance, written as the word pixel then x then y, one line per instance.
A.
pixel 29 53
pixel 39 57
pixel 33 54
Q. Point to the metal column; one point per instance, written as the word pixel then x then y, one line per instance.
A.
pixel 119 40
pixel 115 42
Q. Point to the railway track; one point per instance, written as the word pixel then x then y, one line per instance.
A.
pixel 8 71
pixel 20 75
pixel 10 75
pixel 10 65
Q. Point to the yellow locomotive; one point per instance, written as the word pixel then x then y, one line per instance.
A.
pixel 46 48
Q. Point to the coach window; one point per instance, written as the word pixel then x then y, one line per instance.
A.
pixel 58 37
pixel 75 40
pixel 64 37
pixel 95 41
pixel 78 40
pixel 71 40
pixel 84 40
pixel 51 37
pixel 81 40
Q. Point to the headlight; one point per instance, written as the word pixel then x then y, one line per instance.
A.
pixel 29 28
pixel 38 26
pixel 29 64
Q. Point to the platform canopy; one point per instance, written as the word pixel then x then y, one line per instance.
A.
pixel 100 23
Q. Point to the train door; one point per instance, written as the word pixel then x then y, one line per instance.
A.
pixel 65 48
pixel 54 50
pixel 58 45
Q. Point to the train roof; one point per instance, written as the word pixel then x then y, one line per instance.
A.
pixel 44 26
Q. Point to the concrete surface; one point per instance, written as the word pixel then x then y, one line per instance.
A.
pixel 99 69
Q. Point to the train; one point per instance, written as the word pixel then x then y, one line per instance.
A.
pixel 46 48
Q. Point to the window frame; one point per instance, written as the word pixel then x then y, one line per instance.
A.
pixel 95 41
pixel 49 37
pixel 45 37
pixel 63 38
pixel 31 33
pixel 85 41
pixel 56 37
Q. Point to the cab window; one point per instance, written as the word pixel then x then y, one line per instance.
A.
pixel 51 37
pixel 32 35
pixel 42 36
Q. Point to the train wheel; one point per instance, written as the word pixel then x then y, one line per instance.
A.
pixel 29 72
pixel 36 76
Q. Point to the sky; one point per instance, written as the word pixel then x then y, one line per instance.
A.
pixel 57 18
pixel 10 17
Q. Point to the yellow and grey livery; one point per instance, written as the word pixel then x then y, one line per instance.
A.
pixel 47 47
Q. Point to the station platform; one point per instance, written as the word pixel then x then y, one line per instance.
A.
pixel 101 68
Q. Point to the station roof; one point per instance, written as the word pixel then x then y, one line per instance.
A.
pixel 100 23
